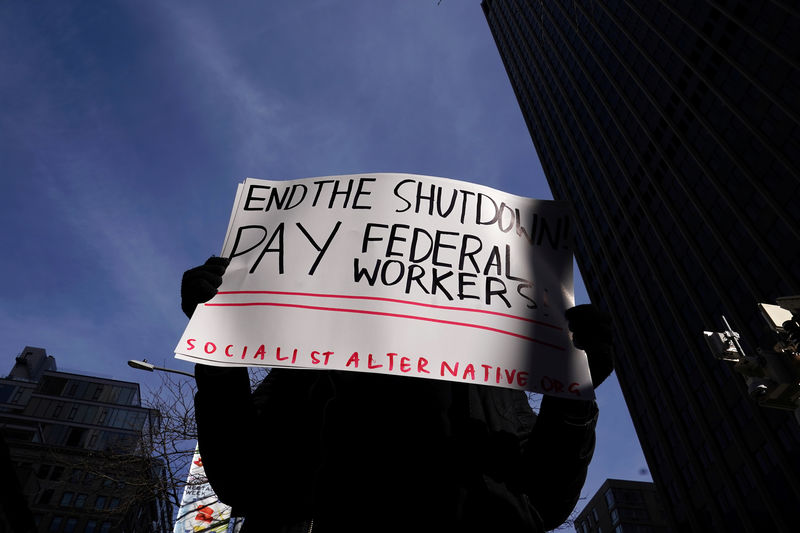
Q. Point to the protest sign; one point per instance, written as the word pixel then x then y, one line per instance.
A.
pixel 201 510
pixel 396 274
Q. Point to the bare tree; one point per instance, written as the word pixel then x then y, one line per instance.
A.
pixel 172 440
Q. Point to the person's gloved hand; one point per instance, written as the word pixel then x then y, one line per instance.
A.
pixel 199 284
pixel 592 332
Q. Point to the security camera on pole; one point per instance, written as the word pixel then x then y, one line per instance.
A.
pixel 772 375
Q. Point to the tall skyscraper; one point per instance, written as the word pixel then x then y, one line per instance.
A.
pixel 671 127
pixel 75 444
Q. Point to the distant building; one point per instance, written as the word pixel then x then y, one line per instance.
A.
pixel 76 444
pixel 673 131
pixel 621 506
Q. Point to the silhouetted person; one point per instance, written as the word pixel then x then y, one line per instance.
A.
pixel 333 451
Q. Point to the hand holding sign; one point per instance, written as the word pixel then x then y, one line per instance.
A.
pixel 592 332
pixel 200 284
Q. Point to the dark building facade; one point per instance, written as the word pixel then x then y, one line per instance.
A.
pixel 671 128
pixel 74 442
pixel 622 506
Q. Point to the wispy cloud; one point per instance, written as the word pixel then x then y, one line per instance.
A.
pixel 254 116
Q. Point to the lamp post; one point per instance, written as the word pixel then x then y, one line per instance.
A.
pixel 144 365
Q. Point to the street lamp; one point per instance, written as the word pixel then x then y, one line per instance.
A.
pixel 144 365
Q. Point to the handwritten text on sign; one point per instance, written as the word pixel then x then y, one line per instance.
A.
pixel 395 273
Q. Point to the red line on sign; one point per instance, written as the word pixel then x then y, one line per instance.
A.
pixel 393 315
pixel 393 300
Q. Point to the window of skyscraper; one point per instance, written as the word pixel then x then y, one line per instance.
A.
pixel 55 524
pixel 610 498
pixel 66 499
pixel 80 500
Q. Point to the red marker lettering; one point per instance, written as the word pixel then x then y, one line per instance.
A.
pixel 453 371
pixel 327 355
pixel 573 388
pixel 278 355
pixel 261 351
pixel 371 362
pixel 522 379
pixel 353 359
pixel 552 384
pixel 470 369
pixel 405 364
pixel 391 357
pixel 486 370
pixel 510 376
pixel 190 343
pixel 227 350
pixel 314 359
pixel 421 364
pixel 294 356
pixel 212 349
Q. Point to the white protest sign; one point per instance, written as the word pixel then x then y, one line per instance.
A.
pixel 395 274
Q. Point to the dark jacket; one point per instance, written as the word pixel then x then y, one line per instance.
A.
pixel 363 452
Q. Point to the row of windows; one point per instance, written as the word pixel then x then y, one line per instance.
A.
pixel 725 32
pixel 77 475
pixel 714 115
pixel 89 390
pixel 132 419
pixel 92 439
pixel 70 526
pixel 628 513
pixel 678 194
pixel 14 393
pixel 101 502
pixel 621 497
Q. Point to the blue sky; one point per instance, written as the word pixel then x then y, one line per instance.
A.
pixel 125 127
